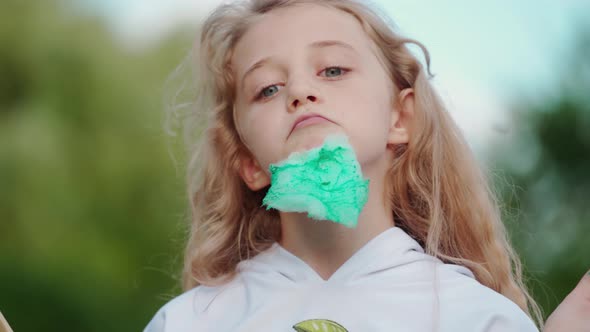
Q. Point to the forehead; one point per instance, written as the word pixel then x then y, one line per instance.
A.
pixel 288 30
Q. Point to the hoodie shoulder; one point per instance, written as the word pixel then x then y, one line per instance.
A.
pixel 166 318
pixel 505 315
pixel 482 309
pixel 195 309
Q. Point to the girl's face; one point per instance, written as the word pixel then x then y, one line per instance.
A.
pixel 303 59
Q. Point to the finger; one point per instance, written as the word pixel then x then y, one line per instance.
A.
pixel 582 290
pixel 4 327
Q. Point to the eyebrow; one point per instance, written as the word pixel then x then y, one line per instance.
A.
pixel 315 45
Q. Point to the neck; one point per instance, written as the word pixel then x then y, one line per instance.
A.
pixel 325 245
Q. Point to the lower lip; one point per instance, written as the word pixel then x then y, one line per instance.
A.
pixel 310 121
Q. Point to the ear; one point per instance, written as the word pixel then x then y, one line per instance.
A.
pixel 401 118
pixel 252 174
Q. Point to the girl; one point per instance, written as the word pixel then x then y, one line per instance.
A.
pixel 430 251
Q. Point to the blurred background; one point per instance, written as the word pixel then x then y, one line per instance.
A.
pixel 92 196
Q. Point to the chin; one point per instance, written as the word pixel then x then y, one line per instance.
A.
pixel 310 139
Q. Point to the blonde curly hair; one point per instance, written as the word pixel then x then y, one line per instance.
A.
pixel 438 192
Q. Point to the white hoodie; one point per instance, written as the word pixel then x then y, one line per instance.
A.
pixel 387 285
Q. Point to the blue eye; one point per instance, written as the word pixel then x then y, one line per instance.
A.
pixel 269 90
pixel 337 71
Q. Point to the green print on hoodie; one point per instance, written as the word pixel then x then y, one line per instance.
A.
pixel 319 325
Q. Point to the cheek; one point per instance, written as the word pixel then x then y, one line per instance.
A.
pixel 262 137
pixel 366 116
pixel 366 103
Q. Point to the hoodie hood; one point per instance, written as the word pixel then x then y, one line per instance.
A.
pixel 388 255
pixel 389 284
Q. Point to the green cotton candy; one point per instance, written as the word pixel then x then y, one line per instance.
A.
pixel 326 182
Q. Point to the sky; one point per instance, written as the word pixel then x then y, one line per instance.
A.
pixel 485 54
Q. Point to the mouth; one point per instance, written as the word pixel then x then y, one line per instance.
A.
pixel 307 120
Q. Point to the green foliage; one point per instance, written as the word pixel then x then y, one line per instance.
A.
pixel 91 224
pixel 546 160
pixel 90 202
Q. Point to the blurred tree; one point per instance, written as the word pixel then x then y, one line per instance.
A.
pixel 89 198
pixel 546 160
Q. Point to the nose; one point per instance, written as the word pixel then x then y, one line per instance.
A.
pixel 302 94
pixel 296 102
